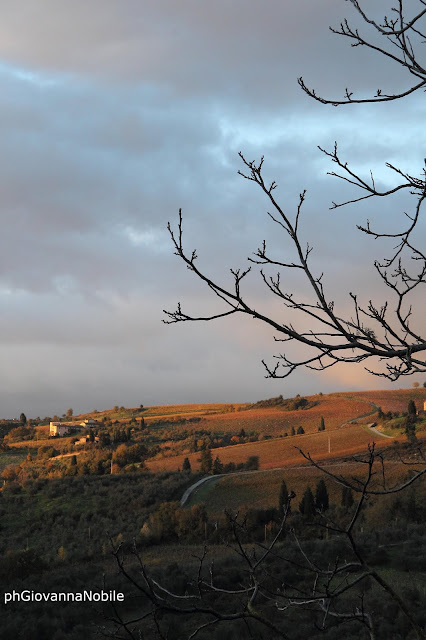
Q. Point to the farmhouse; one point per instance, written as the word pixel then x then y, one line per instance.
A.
pixel 63 428
pixel 88 422
pixel 58 429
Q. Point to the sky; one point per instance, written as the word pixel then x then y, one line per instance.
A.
pixel 113 115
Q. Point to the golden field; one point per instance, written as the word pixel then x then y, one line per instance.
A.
pixel 273 422
pixel 393 400
pixel 280 452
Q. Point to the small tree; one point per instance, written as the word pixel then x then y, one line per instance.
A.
pixel 104 439
pixel 23 419
pixel 69 413
pixel 322 424
pixel 412 410
pixel 217 466
pixel 300 430
pixel 416 385
pixel 9 474
pixel 293 431
pixel 206 460
pixel 321 496
pixel 283 502
pixel 410 428
pixel 186 466
pixel 307 505
pixel 252 463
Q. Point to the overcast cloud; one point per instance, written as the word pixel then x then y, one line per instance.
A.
pixel 113 114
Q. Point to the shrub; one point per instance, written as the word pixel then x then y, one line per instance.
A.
pixel 252 463
pixel 47 452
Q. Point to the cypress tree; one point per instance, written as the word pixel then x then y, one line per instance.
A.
pixel 410 429
pixel 206 460
pixel 412 411
pixel 321 496
pixel 217 466
pixel 283 499
pixel 186 466
pixel 307 505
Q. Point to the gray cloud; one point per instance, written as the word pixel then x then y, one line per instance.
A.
pixel 113 115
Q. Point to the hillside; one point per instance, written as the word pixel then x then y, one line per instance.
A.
pixel 272 430
pixel 260 489
pixel 346 418
pixel 65 501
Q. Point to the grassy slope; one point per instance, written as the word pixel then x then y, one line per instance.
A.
pixel 11 458
pixel 261 489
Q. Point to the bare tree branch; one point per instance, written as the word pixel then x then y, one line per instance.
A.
pixel 382 333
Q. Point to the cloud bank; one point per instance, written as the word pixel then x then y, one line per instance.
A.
pixel 112 116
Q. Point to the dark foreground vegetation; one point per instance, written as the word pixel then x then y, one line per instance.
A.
pixel 57 535
pixel 61 535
